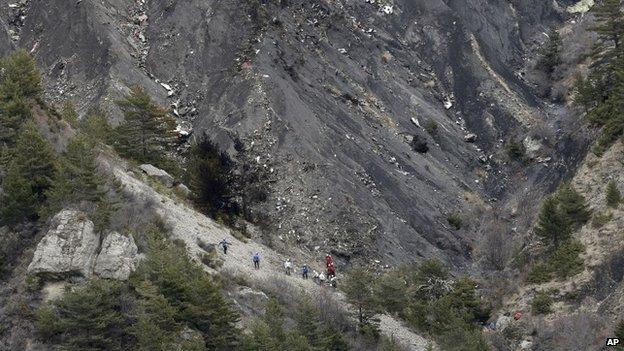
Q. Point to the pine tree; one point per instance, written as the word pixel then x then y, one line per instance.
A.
pixel 610 28
pixel 306 321
pixel 155 328
pixel 550 55
pixel 614 197
pixel 13 113
pixel 553 225
pixel 96 126
pixel 33 156
pixel 78 182
pixel 20 76
pixel 359 289
pixel 189 289
pixel 274 317
pixel 91 317
pixel 147 132
pixel 18 201
pixel 573 205
pixel 69 114
pixel 209 177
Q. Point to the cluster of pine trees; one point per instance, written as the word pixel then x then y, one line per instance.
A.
pixel 561 214
pixel 169 303
pixel 271 333
pixel 600 93
pixel 427 298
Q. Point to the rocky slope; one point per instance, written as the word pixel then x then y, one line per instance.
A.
pixel 328 95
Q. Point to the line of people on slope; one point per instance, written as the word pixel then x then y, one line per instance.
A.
pixel 322 278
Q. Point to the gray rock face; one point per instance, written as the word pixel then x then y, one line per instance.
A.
pixel 165 178
pixel 324 91
pixel 117 258
pixel 69 247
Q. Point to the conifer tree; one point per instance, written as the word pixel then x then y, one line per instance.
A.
pixel 13 113
pixel 306 320
pixel 147 132
pixel 69 114
pixel 573 205
pixel 209 176
pixel 17 202
pixel 610 29
pixel 19 77
pixel 155 328
pixel 553 225
pixel 96 126
pixel 33 156
pixel 359 289
pixel 550 55
pixel 614 197
pixel 78 178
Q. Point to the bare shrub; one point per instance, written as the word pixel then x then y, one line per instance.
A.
pixel 496 247
pixel 579 331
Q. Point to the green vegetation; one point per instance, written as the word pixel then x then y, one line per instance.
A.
pixel 209 176
pixel 147 132
pixel 600 92
pixel 428 299
pixel 269 332
pixel 553 226
pixel 96 126
pixel 69 114
pixel 431 127
pixel 561 214
pixel 600 219
pixel 31 170
pixel 515 150
pixel 455 221
pixel 167 293
pixel 541 303
pixel 573 205
pixel 359 288
pixel 550 54
pixel 614 197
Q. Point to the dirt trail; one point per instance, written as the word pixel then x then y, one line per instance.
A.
pixel 192 227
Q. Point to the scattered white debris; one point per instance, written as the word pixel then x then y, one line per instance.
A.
pixel 448 104
pixel 342 50
pixel 416 122
pixel 388 9
pixel 470 138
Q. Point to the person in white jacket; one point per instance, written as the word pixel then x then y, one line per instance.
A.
pixel 288 266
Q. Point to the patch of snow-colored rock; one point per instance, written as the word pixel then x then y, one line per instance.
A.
pixel 68 248
pixel 165 178
pixel 118 257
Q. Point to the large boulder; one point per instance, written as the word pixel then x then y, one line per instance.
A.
pixel 165 178
pixel 118 257
pixel 68 248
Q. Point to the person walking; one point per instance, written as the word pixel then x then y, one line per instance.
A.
pixel 322 279
pixel 315 277
pixel 256 260
pixel 304 271
pixel 224 244
pixel 288 266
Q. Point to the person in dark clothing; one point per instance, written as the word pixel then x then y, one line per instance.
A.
pixel 256 260
pixel 304 271
pixel 224 244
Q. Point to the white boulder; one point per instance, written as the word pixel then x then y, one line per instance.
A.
pixel 165 178
pixel 117 258
pixel 68 248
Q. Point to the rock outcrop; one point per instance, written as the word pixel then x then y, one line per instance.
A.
pixel 68 248
pixel 71 247
pixel 163 177
pixel 118 257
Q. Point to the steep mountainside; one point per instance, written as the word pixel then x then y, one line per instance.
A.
pixel 329 96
